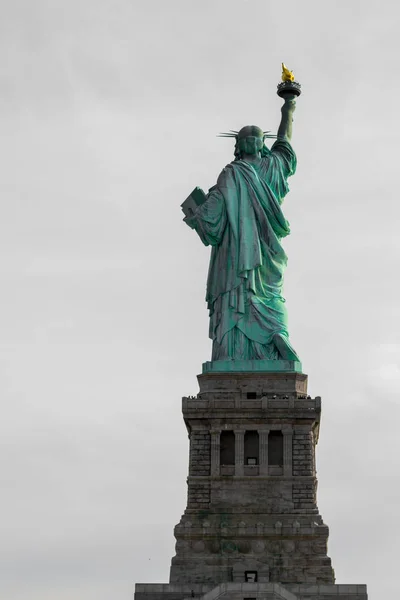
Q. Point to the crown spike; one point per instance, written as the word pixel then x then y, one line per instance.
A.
pixel 227 135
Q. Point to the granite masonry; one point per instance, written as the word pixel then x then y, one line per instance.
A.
pixel 251 528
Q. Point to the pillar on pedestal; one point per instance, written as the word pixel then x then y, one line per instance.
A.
pixel 239 451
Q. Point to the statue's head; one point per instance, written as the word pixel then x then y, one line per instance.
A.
pixel 250 139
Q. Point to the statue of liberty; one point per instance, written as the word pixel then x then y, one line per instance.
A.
pixel 242 220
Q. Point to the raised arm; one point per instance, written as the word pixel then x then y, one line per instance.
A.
pixel 285 127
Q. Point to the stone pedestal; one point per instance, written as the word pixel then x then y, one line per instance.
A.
pixel 252 517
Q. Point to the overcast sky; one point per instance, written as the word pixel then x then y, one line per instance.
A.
pixel 109 111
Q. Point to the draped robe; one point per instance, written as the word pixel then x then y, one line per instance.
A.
pixel 243 221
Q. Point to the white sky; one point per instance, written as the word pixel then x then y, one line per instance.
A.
pixel 109 111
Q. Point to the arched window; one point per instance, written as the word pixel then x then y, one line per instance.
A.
pixel 227 448
pixel 251 448
pixel 275 448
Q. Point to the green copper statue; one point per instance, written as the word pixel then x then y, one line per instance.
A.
pixel 242 219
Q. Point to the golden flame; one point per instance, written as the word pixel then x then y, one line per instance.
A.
pixel 286 74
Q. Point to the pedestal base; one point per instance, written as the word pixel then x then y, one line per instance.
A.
pixel 251 529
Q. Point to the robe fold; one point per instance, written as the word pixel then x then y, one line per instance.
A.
pixel 243 221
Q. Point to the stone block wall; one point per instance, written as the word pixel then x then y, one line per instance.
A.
pixel 304 494
pixel 200 453
pixel 199 495
pixel 303 451
pixel 266 494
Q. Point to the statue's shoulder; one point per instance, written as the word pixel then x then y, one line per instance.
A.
pixel 235 165
pixel 230 166
pixel 282 145
pixel 226 174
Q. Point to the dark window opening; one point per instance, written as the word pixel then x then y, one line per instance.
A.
pixel 250 576
pixel 227 448
pixel 251 448
pixel 251 395
pixel 275 448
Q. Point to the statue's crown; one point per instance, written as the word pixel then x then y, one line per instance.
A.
pixel 248 130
